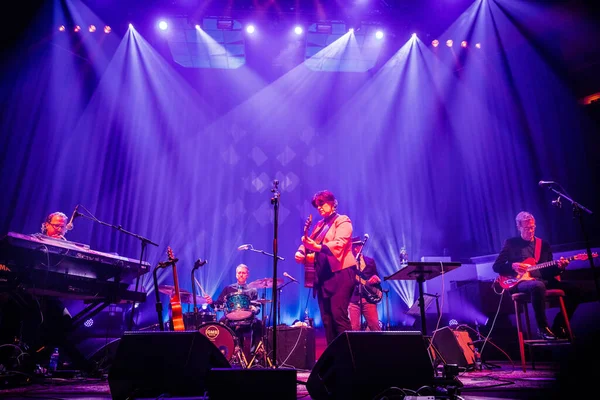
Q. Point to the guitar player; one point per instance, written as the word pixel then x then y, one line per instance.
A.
pixel 361 299
pixel 511 261
pixel 335 265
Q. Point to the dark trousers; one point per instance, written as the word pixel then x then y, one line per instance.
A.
pixel 334 296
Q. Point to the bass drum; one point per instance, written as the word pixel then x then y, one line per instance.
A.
pixel 221 336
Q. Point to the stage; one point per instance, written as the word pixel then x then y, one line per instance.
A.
pixel 507 382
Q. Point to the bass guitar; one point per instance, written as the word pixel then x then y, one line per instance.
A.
pixel 176 310
pixel 372 293
pixel 507 282
pixel 309 259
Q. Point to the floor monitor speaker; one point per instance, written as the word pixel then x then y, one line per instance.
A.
pixel 153 364
pixel 361 365
pixel 454 347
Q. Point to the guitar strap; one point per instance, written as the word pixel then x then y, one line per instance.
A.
pixel 538 249
pixel 319 235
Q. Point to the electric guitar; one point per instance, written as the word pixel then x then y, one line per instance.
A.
pixel 507 282
pixel 372 293
pixel 176 311
pixel 309 259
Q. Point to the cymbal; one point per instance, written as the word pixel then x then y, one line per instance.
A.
pixel 261 301
pixel 264 283
pixel 184 296
pixel 170 290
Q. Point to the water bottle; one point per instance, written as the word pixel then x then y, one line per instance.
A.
pixel 306 317
pixel 403 257
pixel 53 360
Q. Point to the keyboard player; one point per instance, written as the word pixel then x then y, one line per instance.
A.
pixel 42 322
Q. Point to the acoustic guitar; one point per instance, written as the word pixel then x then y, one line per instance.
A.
pixel 507 282
pixel 176 310
pixel 309 259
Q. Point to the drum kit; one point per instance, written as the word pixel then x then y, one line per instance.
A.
pixel 239 309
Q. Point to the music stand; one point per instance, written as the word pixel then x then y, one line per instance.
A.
pixel 422 271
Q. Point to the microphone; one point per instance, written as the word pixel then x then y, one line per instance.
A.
pixel 291 277
pixel 365 238
pixel 546 183
pixel 244 247
pixel 73 216
pixel 199 263
pixel 557 202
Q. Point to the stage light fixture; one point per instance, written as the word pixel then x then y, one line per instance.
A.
pixel 163 25
pixel 92 28
pixel 225 24
pixel 463 44
pixel 324 27
pixel 435 43
pixel 478 45
pixel 107 29
pixel 62 28
pixel 449 42
pixel 379 34
pixel 250 29
pixel 77 28
pixel 298 30
pixel 414 35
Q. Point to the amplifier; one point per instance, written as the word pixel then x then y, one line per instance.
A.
pixel 295 346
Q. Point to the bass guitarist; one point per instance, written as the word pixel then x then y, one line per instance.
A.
pixel 330 245
pixel 523 251
pixel 367 293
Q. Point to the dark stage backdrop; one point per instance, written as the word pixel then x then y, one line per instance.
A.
pixel 419 153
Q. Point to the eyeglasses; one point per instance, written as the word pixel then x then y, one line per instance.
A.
pixel 57 226
pixel 320 203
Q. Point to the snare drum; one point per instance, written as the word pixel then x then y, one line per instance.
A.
pixel 237 306
pixel 221 336
pixel 204 316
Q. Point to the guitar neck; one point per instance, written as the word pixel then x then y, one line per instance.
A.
pixel 546 264
pixel 176 281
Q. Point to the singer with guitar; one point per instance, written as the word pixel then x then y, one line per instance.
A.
pixel 515 259
pixel 367 293
pixel 330 246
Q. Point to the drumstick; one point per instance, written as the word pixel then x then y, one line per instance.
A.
pixel 200 286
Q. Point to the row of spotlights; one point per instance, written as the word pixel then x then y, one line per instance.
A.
pixel 91 28
pixel 450 43
pixel 298 30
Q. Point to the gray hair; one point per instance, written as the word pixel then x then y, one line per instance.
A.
pixel 523 216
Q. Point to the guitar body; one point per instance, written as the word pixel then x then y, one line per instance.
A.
pixel 176 310
pixel 507 282
pixel 370 293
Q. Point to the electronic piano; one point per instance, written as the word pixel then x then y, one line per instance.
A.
pixel 47 266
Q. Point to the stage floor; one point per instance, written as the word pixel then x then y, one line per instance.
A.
pixel 506 382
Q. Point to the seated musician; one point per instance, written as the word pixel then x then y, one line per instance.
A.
pixel 44 321
pixel 511 261
pixel 250 325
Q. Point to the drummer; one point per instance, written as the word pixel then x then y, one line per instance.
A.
pixel 251 326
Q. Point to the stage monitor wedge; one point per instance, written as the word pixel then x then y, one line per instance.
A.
pixel 361 365
pixel 154 364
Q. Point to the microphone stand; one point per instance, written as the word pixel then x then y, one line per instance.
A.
pixel 264 252
pixel 275 202
pixel 578 210
pixel 197 265
pixel 159 309
pixel 144 242
pixel 279 302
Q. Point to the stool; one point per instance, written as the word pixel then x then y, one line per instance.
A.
pixel 525 338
